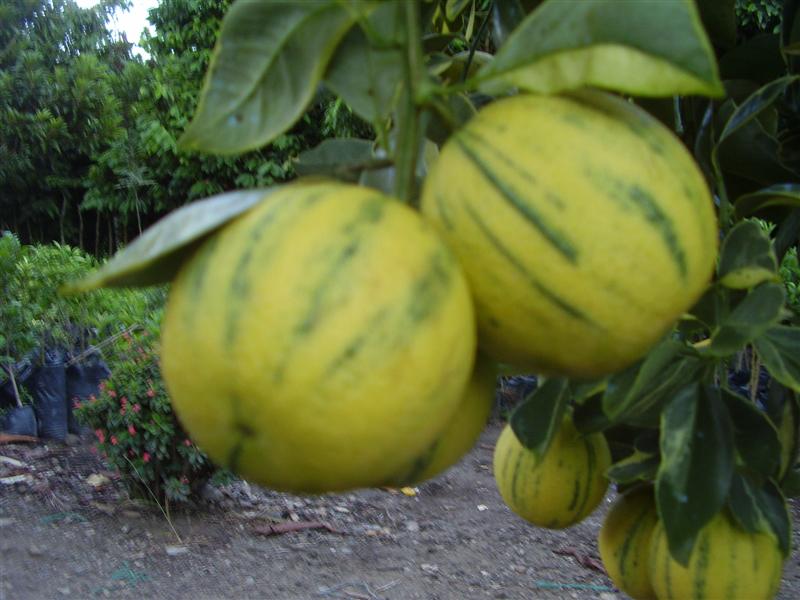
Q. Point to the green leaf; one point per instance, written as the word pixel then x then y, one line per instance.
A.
pixel 755 314
pixel 755 437
pixel 156 256
pixel 784 194
pixel 506 17
pixel 342 158
pixel 746 257
pixel 790 485
pixel 588 416
pixel 719 19
pixel 779 350
pixel 758 102
pixel 749 156
pixel 761 508
pixel 454 8
pixel 639 466
pixel 267 63
pixel 608 44
pixel 787 234
pixel 696 465
pixel 758 59
pixel 367 72
pixel 537 419
pixel 635 396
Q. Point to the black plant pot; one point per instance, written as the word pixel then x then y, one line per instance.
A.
pixel 20 420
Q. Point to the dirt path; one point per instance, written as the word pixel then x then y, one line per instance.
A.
pixel 62 538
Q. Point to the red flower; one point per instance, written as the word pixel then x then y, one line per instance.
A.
pixel 145 457
pixel 136 408
pixel 185 480
pixel 101 436
pixel 112 393
pixel 102 386
pixel 187 442
pixel 151 393
pixel 131 429
pixel 122 411
pixel 113 440
pixel 76 404
pixel 92 398
pixel 123 401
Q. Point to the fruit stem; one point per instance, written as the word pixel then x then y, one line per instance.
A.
pixel 409 115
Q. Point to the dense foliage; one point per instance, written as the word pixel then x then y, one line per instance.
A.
pixel 88 128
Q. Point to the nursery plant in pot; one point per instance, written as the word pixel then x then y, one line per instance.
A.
pixel 19 418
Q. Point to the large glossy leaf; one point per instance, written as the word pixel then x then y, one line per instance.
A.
pixel 367 70
pixel 269 58
pixel 779 350
pixel 784 194
pixel 761 507
pixel 608 44
pixel 697 461
pixel 341 158
pixel 719 19
pixel 157 255
pixel 746 257
pixel 759 310
pixel 536 420
pixel 757 445
pixel 759 101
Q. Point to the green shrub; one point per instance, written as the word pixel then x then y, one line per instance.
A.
pixel 790 273
pixel 33 315
pixel 136 430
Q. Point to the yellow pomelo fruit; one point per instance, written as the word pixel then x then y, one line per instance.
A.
pixel 727 563
pixel 461 433
pixel 319 342
pixel 583 224
pixel 558 489
pixel 624 542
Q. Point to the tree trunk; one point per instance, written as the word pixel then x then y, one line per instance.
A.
pixel 97 233
pixel 61 217
pixel 80 229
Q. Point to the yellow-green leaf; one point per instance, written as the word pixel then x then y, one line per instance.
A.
pixel 607 44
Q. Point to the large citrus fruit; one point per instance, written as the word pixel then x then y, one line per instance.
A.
pixel 463 430
pixel 559 488
pixel 727 563
pixel 583 224
pixel 624 542
pixel 319 342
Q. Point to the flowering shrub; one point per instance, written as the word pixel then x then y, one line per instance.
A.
pixel 135 428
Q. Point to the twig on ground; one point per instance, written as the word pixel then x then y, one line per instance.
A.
pixel 291 526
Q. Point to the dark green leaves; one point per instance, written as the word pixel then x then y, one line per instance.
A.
pixel 269 58
pixel 779 349
pixel 697 461
pixel 761 508
pixel 782 194
pixel 637 393
pixel 156 255
pixel 757 103
pixel 368 72
pixel 757 312
pixel 756 438
pixel 608 44
pixel 340 158
pixel 746 257
pixel 540 415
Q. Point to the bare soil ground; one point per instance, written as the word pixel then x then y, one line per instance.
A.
pixel 68 530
